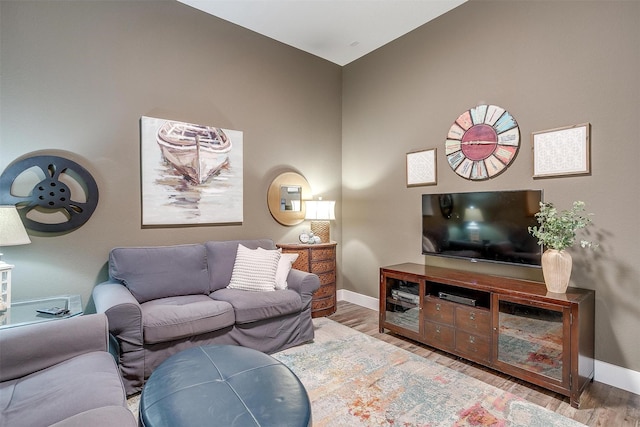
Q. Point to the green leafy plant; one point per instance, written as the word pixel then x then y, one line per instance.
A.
pixel 557 229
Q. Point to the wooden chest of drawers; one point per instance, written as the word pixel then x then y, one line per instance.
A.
pixel 320 259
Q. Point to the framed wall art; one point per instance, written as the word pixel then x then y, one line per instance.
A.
pixel 421 168
pixel 563 151
pixel 191 174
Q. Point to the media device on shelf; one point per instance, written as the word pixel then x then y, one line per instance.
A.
pixel 482 226
pixel 457 298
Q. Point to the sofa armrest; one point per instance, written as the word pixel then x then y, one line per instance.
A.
pixel 125 324
pixel 29 348
pixel 122 310
pixel 304 283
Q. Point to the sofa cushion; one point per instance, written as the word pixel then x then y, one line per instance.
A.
pixel 76 385
pixel 255 269
pixel 173 318
pixel 221 256
pixel 254 306
pixel 161 271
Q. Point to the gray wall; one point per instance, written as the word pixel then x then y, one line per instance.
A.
pixel 550 64
pixel 77 76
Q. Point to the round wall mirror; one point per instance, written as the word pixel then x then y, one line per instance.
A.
pixel 285 198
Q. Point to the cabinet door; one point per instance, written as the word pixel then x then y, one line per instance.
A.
pixel 400 304
pixel 532 340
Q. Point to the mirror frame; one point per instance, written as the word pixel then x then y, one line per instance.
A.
pixel 291 179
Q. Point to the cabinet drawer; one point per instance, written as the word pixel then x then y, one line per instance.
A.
pixel 474 345
pixel 325 291
pixel 438 310
pixel 323 266
pixel 439 335
pixel 323 303
pixel 327 278
pixel 322 254
pixel 473 320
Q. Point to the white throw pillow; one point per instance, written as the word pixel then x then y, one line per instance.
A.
pixel 284 267
pixel 254 270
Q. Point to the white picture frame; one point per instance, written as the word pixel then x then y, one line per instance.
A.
pixel 562 151
pixel 421 168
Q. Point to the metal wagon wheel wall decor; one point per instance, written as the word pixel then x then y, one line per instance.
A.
pixel 55 202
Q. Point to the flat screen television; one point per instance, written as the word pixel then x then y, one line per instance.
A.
pixel 482 226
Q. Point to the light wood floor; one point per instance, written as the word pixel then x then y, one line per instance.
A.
pixel 601 405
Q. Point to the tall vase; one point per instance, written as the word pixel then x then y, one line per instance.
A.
pixel 556 269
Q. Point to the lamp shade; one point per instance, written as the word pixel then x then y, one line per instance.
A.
pixel 322 210
pixel 473 214
pixel 12 231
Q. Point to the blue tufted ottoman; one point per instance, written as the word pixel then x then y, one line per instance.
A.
pixel 223 385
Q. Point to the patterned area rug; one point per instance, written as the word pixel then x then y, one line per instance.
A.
pixel 355 380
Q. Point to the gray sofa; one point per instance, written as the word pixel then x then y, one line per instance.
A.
pixel 59 373
pixel 164 299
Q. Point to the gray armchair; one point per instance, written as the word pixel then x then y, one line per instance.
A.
pixel 60 373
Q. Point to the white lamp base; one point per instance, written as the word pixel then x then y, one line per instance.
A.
pixel 5 284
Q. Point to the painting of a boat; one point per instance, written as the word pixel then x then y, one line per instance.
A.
pixel 195 151
pixel 190 175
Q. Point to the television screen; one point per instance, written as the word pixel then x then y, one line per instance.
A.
pixel 482 226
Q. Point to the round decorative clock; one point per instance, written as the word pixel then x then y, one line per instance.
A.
pixel 482 142
pixel 304 238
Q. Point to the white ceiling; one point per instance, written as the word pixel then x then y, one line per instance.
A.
pixel 339 31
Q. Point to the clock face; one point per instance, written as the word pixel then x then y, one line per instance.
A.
pixel 482 142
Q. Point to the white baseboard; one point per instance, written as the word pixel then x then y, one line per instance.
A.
pixel 617 376
pixel 607 373
pixel 358 299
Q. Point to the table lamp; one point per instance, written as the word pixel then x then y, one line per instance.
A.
pixel 473 216
pixel 12 233
pixel 320 212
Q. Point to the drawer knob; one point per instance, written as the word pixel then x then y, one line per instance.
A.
pixel 472 316
pixel 472 339
pixel 437 329
pixel 438 307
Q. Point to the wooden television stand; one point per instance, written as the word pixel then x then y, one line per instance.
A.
pixel 513 326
